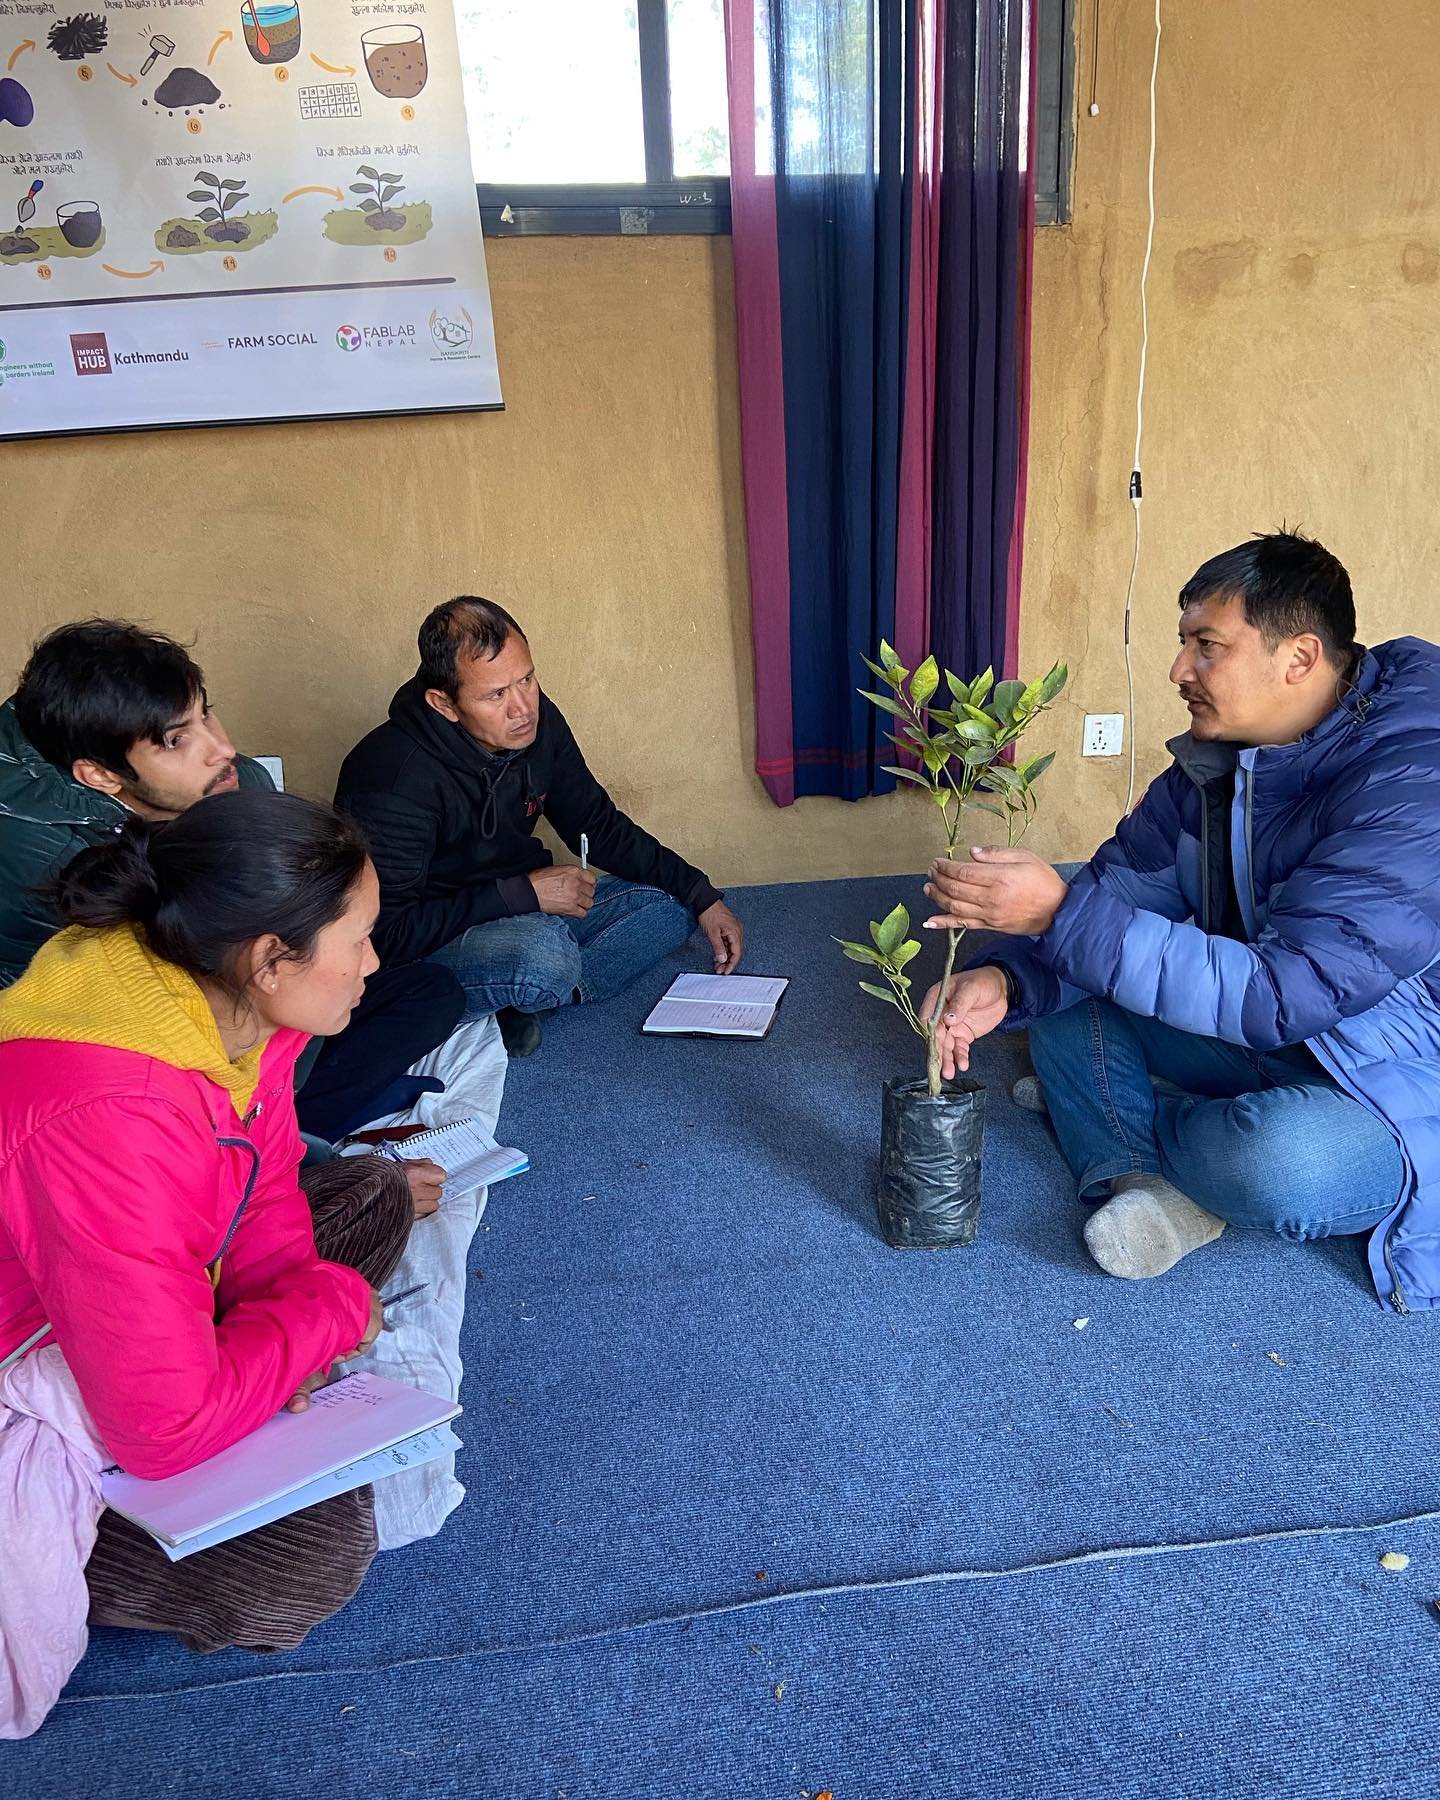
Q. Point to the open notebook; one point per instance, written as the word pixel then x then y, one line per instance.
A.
pixel 358 1430
pixel 466 1152
pixel 738 1006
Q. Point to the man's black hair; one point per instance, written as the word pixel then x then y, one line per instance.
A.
pixel 1289 584
pixel 94 688
pixel 465 626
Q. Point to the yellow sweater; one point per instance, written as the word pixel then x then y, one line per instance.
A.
pixel 109 987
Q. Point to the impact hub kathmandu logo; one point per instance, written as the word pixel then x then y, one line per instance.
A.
pixel 348 337
pixel 91 353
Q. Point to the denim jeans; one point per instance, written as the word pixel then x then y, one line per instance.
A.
pixel 1267 1142
pixel 536 962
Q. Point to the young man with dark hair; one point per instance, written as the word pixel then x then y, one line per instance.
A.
pixel 450 791
pixel 1235 1005
pixel 110 722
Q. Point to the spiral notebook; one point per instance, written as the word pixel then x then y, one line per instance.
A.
pixel 466 1152
pixel 732 1006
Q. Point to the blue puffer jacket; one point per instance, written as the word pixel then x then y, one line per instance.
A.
pixel 1336 850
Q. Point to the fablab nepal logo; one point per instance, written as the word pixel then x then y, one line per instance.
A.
pixel 376 337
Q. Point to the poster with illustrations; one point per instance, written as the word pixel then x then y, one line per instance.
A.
pixel 233 210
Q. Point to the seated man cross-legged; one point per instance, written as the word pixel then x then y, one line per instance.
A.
pixel 1234 1007
pixel 450 791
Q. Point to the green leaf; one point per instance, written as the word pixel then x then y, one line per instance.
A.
pixel 1000 778
pixel 388 194
pixel 879 992
pixel 984 806
pixel 233 186
pixel 1006 696
pixel 875 669
pixel 369 206
pixel 885 703
pixel 924 682
pixel 210 214
pixel 971 731
pixel 980 717
pixel 202 194
pixel 390 177
pixel 904 953
pixel 1028 701
pixel 959 690
pixel 211 181
pixel 905 774
pixel 981 686
pixel 359 187
pixel 892 662
pixel 861 953
pixel 366 170
pixel 891 931
pixel 1037 766
pixel 1053 683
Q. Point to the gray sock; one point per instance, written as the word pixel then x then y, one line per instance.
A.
pixel 1146 1227
pixel 1028 1093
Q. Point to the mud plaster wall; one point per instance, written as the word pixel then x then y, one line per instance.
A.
pixel 1294 297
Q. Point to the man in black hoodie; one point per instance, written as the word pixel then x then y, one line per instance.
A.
pixel 450 791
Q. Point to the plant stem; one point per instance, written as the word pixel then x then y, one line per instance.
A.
pixel 932 1024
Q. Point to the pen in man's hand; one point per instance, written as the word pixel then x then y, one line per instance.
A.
pixel 584 851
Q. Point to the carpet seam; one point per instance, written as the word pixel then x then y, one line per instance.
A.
pixel 755 1602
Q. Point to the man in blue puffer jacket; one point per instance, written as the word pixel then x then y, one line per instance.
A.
pixel 1235 1005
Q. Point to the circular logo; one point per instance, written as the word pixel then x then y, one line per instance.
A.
pixel 452 335
pixel 348 338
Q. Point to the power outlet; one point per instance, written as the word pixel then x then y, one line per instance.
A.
pixel 1104 734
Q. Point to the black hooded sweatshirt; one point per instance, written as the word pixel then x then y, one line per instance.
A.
pixel 451 825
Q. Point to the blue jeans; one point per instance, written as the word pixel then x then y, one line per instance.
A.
pixel 1267 1142
pixel 536 962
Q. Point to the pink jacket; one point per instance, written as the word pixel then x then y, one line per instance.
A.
pixel 122 1179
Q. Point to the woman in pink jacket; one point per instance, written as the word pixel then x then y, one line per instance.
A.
pixel 153 1224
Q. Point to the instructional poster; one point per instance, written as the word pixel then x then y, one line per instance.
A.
pixel 214 211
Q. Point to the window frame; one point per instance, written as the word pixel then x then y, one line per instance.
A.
pixel 661 206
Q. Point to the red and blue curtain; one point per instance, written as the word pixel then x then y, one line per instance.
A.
pixel 882 212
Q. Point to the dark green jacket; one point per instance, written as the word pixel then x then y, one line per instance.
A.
pixel 46 818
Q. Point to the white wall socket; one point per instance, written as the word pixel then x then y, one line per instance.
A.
pixel 1104 734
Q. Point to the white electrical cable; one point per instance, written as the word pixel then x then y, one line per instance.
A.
pixel 1135 490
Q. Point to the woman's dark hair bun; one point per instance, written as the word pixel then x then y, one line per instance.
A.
pixel 111 884
pixel 230 869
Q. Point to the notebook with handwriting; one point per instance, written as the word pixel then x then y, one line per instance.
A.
pixel 735 1006
pixel 352 1419
pixel 466 1152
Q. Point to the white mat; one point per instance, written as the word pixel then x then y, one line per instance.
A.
pixel 424 1347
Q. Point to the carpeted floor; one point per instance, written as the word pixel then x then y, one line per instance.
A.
pixel 720 1441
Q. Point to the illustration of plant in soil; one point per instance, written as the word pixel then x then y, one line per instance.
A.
pixel 375 220
pixel 78 231
pixel 217 226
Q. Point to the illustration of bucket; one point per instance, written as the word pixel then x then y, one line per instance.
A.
pixel 80 223
pixel 272 32
pixel 395 60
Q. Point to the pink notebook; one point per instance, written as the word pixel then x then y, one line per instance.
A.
pixel 352 1418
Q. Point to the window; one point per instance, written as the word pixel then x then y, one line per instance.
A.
pixel 597 116
pixel 603 117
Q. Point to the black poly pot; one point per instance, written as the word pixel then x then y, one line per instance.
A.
pixel 928 1197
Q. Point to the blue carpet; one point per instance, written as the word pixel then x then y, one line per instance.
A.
pixel 697 1377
